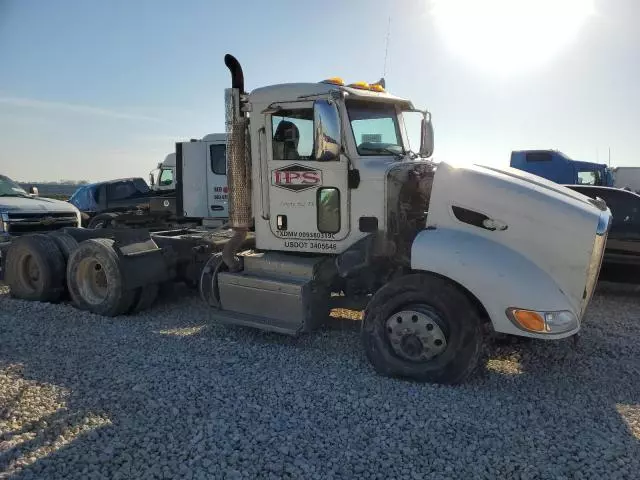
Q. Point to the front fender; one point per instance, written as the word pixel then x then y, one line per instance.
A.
pixel 496 275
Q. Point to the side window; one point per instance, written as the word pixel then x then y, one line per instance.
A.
pixel 293 134
pixel 218 154
pixel 538 157
pixel 328 205
pixel 121 191
pixel 587 178
pixel 166 177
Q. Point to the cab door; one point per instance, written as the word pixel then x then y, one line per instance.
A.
pixel 308 199
pixel 218 193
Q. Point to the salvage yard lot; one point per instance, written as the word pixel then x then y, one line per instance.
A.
pixel 168 394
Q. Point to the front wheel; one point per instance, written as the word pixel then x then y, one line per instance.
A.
pixel 422 327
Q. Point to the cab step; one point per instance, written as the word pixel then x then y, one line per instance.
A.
pixel 253 321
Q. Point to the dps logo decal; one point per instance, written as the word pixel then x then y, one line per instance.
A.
pixel 296 177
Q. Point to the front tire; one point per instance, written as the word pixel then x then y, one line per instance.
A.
pixel 422 327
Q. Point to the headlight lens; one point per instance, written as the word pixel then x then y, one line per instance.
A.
pixel 543 322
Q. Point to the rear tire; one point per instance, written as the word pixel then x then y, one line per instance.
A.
pixel 422 327
pixel 35 269
pixel 103 220
pixel 94 279
pixel 66 243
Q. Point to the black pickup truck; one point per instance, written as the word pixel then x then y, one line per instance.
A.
pixel 128 200
pixel 621 261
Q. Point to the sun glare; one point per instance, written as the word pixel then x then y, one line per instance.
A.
pixel 508 37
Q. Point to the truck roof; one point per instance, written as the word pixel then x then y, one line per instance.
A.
pixel 285 91
pixel 542 150
pixel 115 180
pixel 215 137
pixel 559 154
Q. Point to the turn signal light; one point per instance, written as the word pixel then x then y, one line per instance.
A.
pixel 529 320
pixel 334 81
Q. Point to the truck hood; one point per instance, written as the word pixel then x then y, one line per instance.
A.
pixel 547 223
pixel 35 205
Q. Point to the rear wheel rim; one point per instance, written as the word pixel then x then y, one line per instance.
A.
pixel 30 272
pixel 416 336
pixel 92 281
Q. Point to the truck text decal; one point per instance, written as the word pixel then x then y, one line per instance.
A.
pixel 307 235
pixel 299 245
pixel 296 177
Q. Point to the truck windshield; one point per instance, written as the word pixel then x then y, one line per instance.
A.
pixel 9 188
pixel 375 127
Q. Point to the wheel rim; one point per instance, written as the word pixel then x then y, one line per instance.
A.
pixel 416 335
pixel 30 272
pixel 92 281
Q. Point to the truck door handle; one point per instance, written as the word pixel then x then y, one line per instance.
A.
pixel 217 208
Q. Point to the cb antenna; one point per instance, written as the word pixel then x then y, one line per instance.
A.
pixel 386 49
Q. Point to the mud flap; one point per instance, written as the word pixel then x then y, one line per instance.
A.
pixel 141 260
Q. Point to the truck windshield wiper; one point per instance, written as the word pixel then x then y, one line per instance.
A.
pixel 383 149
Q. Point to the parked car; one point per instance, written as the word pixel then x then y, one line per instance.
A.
pixel 622 252
pixel 101 202
pixel 22 212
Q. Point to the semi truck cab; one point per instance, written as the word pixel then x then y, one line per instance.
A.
pixel 197 172
pixel 163 177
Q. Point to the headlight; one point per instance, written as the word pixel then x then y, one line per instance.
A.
pixel 79 218
pixel 543 322
pixel 4 218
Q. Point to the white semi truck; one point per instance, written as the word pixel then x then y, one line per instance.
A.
pixel 193 196
pixel 212 150
pixel 162 178
pixel 327 202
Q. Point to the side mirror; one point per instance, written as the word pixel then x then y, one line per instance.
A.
pixel 33 190
pixel 152 181
pixel 426 136
pixel 326 130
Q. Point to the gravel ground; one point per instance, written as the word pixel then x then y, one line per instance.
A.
pixel 167 394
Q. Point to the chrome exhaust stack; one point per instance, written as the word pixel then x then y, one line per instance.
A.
pixel 238 164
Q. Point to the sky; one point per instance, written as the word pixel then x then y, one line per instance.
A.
pixel 94 89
